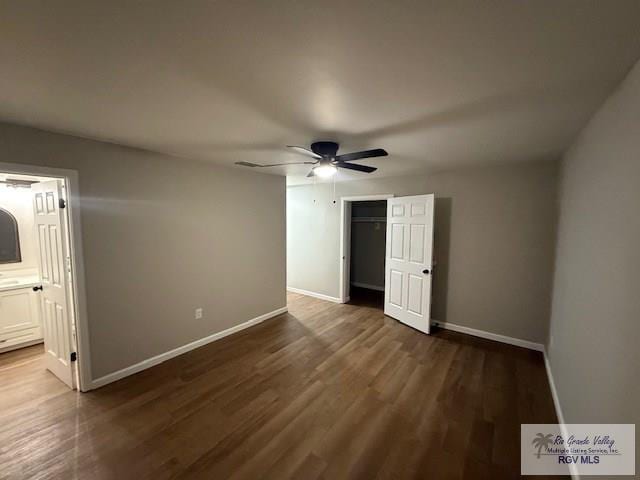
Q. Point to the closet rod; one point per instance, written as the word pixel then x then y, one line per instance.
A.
pixel 368 219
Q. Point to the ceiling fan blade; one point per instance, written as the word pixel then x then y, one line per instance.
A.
pixel 252 165
pixel 355 166
pixel 248 164
pixel 311 174
pixel 304 151
pixel 347 157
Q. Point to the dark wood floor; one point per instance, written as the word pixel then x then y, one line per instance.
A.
pixel 364 297
pixel 327 391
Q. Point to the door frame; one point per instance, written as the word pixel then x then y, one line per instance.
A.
pixel 345 238
pixel 78 294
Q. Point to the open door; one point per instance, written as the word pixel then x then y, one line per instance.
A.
pixel 408 260
pixel 51 236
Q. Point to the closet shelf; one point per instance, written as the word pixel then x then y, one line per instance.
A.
pixel 368 219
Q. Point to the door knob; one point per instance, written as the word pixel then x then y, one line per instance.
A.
pixel 39 287
pixel 426 271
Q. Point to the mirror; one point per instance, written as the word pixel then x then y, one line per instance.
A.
pixel 9 240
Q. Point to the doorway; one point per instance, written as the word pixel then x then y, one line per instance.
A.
pixel 408 258
pixel 362 249
pixel 42 309
pixel 367 253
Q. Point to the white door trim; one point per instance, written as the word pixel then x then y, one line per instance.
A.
pixel 77 265
pixel 345 239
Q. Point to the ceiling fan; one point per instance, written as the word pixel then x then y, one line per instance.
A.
pixel 326 159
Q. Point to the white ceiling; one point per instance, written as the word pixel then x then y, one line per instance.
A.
pixel 437 84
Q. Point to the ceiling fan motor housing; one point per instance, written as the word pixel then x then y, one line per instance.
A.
pixel 325 149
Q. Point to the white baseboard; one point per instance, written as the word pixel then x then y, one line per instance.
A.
pixel 150 362
pixel 556 403
pixel 368 286
pixel 321 296
pixel 554 392
pixel 490 336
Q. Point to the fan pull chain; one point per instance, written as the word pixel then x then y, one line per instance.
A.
pixel 314 189
pixel 334 187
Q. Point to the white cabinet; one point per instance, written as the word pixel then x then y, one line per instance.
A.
pixel 19 318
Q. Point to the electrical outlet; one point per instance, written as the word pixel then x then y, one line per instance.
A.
pixel 198 313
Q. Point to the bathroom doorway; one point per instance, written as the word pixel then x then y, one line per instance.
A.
pixel 42 309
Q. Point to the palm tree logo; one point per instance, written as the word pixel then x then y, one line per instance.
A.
pixel 542 441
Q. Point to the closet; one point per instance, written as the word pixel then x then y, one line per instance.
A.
pixel 368 241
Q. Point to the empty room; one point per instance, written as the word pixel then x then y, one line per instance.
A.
pixel 319 240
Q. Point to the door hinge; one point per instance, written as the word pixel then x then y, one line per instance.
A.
pixel 74 356
pixel 62 203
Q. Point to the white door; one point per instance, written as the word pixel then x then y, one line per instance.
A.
pixel 52 243
pixel 407 292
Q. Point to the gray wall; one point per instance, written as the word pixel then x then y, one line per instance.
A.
pixel 595 323
pixel 494 240
pixel 162 236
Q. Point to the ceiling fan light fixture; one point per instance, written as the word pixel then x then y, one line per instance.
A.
pixel 325 171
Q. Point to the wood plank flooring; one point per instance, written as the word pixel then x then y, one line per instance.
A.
pixel 326 391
